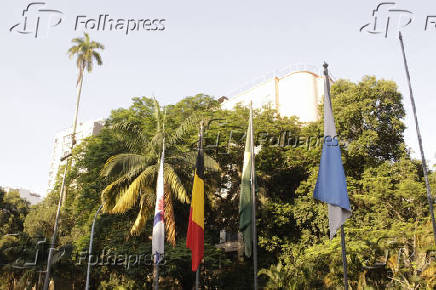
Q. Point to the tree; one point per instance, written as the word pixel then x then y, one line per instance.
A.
pixel 13 211
pixel 369 117
pixel 389 241
pixel 386 192
pixel 13 242
pixel 133 174
pixel 86 53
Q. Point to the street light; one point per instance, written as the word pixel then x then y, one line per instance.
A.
pixel 90 248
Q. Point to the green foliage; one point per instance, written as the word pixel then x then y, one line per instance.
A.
pixel 389 236
pixel 369 119
pixel 133 174
pixel 13 211
pixel 386 191
pixel 86 52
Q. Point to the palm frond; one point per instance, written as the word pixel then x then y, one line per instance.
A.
pixel 170 224
pixel 190 123
pixel 95 45
pixel 144 211
pixel 84 49
pixel 86 37
pixel 128 199
pixel 72 51
pixel 123 163
pixel 97 57
pixel 131 135
pixel 78 40
pixel 172 179
pixel 191 158
pixel 157 114
pixel 113 191
pixel 156 141
pixel 109 196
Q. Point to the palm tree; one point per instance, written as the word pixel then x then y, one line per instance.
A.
pixel 85 51
pixel 134 174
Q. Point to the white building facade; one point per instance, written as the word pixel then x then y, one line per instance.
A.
pixel 62 145
pixel 292 92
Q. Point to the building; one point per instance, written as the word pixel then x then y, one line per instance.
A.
pixel 231 242
pixel 31 197
pixel 62 145
pixel 293 91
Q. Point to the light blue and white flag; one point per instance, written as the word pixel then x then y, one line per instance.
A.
pixel 331 186
pixel 159 222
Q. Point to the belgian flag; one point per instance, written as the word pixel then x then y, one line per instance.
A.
pixel 195 236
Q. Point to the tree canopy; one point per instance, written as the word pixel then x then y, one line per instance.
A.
pixel 389 238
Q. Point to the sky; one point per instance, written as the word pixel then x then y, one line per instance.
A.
pixel 210 47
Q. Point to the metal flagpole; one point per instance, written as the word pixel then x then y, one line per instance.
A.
pixel 253 198
pixel 90 248
pixel 344 253
pixel 197 278
pixel 55 230
pixel 62 195
pixel 156 276
pixel 344 258
pixel 200 146
pixel 418 133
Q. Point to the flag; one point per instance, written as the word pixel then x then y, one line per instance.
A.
pixel 195 236
pixel 331 186
pixel 158 224
pixel 245 197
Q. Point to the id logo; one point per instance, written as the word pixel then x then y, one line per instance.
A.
pixel 37 19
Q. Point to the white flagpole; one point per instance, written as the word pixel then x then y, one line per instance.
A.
pixel 157 257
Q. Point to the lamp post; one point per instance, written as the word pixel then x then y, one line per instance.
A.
pixel 90 248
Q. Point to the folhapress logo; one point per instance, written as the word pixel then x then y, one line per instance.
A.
pixel 106 23
pixel 37 18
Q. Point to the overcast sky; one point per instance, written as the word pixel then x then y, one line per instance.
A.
pixel 207 47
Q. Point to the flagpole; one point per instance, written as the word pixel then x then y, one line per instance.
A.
pixel 200 146
pixel 344 258
pixel 418 133
pixel 157 255
pixel 156 276
pixel 56 226
pixel 343 247
pixel 197 278
pixel 253 198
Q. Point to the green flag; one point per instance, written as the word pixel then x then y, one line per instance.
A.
pixel 245 197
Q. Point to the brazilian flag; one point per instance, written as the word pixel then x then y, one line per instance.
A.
pixel 245 197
